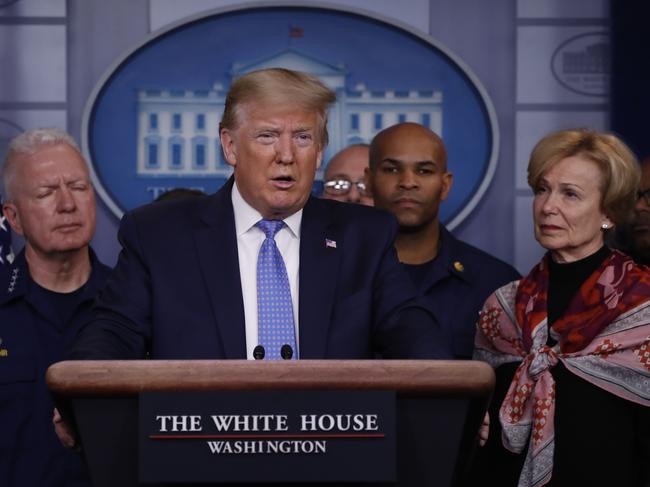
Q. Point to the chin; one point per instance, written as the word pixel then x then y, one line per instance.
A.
pixel 549 243
pixel 72 245
pixel 408 219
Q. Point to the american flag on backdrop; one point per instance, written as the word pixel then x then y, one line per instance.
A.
pixel 6 252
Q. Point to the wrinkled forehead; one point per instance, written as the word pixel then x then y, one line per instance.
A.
pixel 350 163
pixel 53 160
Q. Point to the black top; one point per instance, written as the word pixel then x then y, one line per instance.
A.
pixel 566 279
pixel 418 272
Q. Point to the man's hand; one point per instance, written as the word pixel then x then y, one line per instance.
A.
pixel 484 430
pixel 63 430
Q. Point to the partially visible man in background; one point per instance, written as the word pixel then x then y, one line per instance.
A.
pixel 6 251
pixel 408 176
pixel 344 176
pixel 639 235
pixel 45 296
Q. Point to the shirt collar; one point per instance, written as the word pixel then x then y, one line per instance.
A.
pixel 19 278
pixel 246 216
pixel 448 253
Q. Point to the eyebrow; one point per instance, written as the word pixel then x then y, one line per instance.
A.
pixel 562 185
pixel 277 129
pixel 418 163
pixel 265 128
pixel 571 185
pixel 303 128
pixel 52 183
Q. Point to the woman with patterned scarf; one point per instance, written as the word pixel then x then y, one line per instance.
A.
pixel 570 342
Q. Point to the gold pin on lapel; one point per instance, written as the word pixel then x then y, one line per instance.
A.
pixel 459 267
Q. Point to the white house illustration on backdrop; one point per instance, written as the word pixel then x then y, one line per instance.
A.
pixel 178 131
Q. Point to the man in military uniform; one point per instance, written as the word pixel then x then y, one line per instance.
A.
pixel 45 296
pixel 408 176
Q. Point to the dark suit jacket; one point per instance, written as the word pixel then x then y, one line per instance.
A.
pixel 176 289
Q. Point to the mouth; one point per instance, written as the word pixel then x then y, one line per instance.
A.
pixel 549 228
pixel 68 227
pixel 407 203
pixel 283 182
pixel 641 225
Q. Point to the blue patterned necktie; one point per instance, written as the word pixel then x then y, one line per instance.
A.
pixel 274 306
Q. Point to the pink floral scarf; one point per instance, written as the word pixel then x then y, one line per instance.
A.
pixel 604 337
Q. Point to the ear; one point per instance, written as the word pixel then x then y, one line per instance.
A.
pixel 13 217
pixel 228 146
pixel 608 222
pixel 319 158
pixel 447 183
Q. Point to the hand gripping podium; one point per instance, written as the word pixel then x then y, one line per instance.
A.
pixel 149 422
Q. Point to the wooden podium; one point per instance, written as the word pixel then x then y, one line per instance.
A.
pixel 439 405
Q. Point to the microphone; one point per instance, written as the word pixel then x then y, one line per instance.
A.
pixel 286 352
pixel 258 352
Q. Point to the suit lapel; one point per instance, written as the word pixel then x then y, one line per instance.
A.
pixel 319 264
pixel 216 244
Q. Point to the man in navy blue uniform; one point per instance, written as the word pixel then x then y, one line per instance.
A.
pixel 408 176
pixel 45 296
pixel 350 298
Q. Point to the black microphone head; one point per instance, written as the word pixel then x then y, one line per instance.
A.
pixel 286 352
pixel 258 352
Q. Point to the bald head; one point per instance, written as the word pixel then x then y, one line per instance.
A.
pixel 349 165
pixel 399 138
pixel 408 175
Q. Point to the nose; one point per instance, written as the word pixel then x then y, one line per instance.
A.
pixel 641 204
pixel 549 204
pixel 408 180
pixel 284 149
pixel 353 195
pixel 66 201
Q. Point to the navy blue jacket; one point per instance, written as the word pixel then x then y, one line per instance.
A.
pixel 30 452
pixel 456 285
pixel 353 294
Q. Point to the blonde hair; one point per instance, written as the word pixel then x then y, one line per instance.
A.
pixel 619 168
pixel 279 86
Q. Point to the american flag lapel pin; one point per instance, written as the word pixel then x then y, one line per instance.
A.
pixel 330 244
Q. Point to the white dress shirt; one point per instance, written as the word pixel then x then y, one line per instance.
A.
pixel 249 241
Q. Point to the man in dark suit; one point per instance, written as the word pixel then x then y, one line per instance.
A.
pixel 408 176
pixel 187 285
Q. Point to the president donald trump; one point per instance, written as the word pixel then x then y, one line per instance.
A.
pixel 261 269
